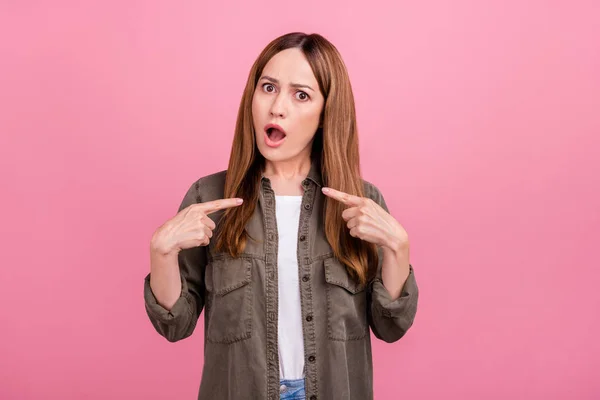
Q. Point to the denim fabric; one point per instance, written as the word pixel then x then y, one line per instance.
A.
pixel 292 389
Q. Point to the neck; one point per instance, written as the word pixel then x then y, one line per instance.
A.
pixel 286 176
pixel 287 170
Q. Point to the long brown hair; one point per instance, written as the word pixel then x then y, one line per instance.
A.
pixel 336 143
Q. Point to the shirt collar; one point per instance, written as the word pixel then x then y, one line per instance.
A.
pixel 315 171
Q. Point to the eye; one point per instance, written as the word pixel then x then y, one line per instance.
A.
pixel 268 85
pixel 303 96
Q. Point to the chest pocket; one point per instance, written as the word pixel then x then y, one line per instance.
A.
pixel 346 303
pixel 229 285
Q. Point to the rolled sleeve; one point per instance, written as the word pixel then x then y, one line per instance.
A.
pixel 180 310
pixel 180 321
pixel 391 319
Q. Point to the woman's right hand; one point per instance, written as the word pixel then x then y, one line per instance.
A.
pixel 191 227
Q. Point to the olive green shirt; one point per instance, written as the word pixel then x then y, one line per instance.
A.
pixel 239 298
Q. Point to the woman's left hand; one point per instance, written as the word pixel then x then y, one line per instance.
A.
pixel 368 221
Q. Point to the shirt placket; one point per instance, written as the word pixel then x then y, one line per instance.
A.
pixel 272 301
pixel 306 295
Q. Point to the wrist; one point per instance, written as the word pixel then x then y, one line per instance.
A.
pixel 158 249
pixel 398 246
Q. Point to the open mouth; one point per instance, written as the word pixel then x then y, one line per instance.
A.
pixel 275 134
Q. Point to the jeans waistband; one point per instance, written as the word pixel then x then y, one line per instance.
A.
pixel 292 389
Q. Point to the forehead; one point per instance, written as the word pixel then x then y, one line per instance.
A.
pixel 290 66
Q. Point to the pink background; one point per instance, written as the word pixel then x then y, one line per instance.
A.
pixel 479 122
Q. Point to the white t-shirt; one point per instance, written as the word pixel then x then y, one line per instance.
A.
pixel 291 342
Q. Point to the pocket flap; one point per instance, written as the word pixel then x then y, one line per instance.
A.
pixel 226 274
pixel 336 274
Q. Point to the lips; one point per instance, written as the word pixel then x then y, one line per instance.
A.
pixel 274 135
pixel 275 131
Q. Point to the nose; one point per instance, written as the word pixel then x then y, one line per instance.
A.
pixel 278 107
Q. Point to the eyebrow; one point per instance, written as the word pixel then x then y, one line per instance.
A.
pixel 296 85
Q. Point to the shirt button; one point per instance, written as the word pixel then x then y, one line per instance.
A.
pixel 311 358
pixel 282 388
pixel 307 206
pixel 305 278
pixel 302 238
pixel 309 318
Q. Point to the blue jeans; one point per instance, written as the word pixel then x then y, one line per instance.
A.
pixel 292 389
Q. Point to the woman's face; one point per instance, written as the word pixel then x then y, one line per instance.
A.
pixel 287 94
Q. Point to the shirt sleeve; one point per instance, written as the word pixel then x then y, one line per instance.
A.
pixel 390 319
pixel 180 321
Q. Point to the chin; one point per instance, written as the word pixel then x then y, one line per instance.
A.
pixel 273 154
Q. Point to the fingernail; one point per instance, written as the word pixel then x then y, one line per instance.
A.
pixel 239 201
pixel 325 190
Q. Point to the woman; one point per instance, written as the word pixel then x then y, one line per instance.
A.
pixel 290 253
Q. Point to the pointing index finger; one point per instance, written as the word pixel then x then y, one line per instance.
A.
pixel 345 198
pixel 212 206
